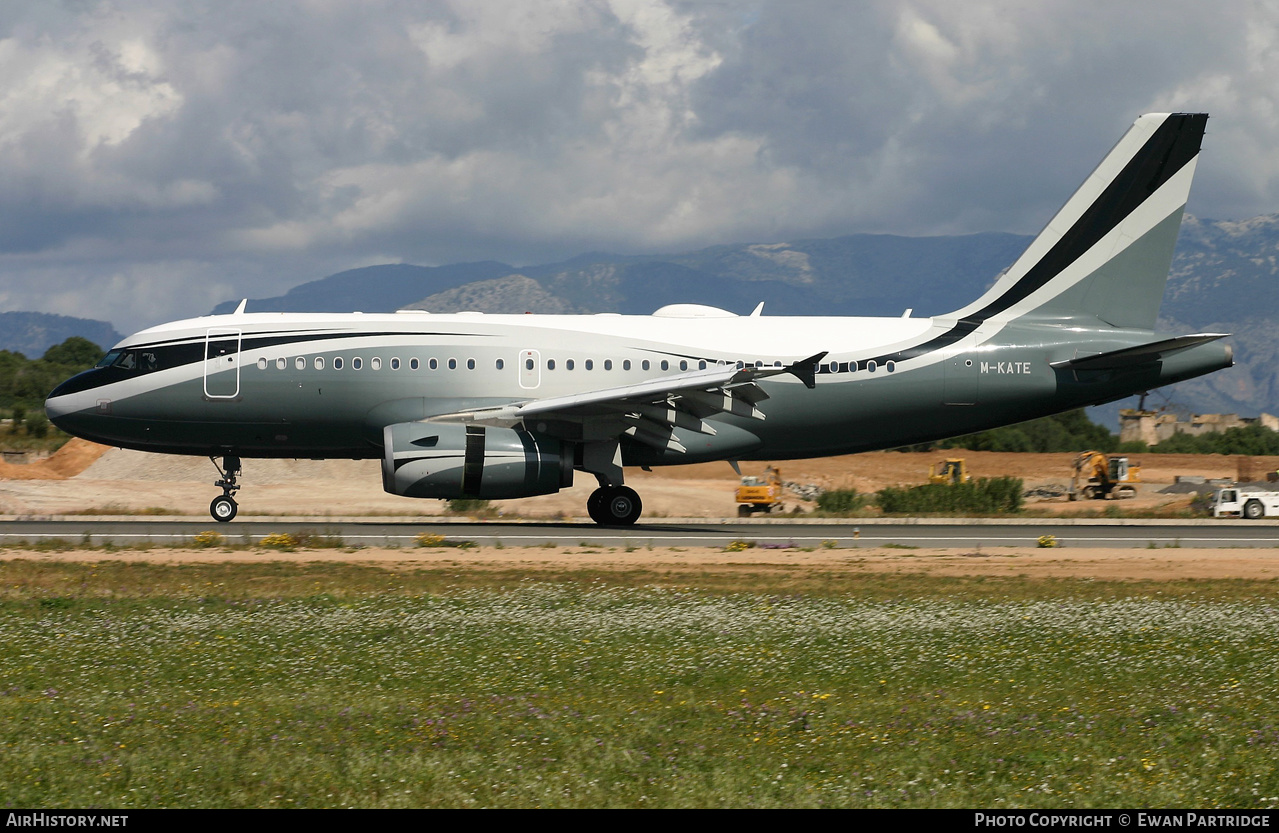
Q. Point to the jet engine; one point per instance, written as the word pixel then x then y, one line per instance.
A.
pixel 441 460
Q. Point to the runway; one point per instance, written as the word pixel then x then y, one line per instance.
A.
pixel 937 533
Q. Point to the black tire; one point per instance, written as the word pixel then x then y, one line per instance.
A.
pixel 223 508
pixel 595 506
pixel 1252 510
pixel 621 506
pixel 743 510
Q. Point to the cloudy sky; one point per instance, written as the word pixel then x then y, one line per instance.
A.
pixel 157 158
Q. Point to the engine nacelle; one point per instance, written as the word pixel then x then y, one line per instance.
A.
pixel 442 460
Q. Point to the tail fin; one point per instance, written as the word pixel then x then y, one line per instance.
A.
pixel 1105 257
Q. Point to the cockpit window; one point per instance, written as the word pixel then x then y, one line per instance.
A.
pixel 145 361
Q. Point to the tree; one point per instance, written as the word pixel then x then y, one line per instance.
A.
pixel 74 352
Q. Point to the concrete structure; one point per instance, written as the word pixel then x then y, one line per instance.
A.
pixel 1153 428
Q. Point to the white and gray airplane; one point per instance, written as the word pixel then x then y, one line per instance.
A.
pixel 508 406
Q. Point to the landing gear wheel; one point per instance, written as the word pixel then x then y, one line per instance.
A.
pixel 223 508
pixel 614 506
pixel 595 506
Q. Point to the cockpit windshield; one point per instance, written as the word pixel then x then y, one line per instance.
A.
pixel 142 360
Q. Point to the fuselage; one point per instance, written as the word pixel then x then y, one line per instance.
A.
pixel 321 385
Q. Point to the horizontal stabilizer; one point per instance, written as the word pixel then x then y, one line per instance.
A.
pixel 1142 354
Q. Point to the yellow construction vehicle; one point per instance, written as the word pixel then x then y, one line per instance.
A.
pixel 954 470
pixel 1098 476
pixel 760 494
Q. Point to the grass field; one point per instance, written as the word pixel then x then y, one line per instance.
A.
pixel 295 685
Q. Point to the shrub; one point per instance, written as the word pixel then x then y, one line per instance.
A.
pixel 840 501
pixel 208 538
pixel 985 494
pixel 469 506
pixel 280 541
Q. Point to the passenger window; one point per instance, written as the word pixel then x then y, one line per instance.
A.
pixel 357 363
pixel 452 364
pixel 626 364
pixel 568 364
pixel 434 364
pixel 395 364
pixel 528 364
pixel 608 364
pixel 470 364
pixel 501 364
pixel 300 363
pixel 319 362
pixel 683 364
pixel 870 366
pixel 666 365
pixel 337 363
pixel 261 364
pixel 550 364
pixel 414 364
pixel 701 364
pixel 280 364
pixel 375 363
pixel 644 365
pixel 590 364
pixel 890 366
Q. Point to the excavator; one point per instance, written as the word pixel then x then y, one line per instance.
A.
pixel 953 471
pixel 1099 476
pixel 760 494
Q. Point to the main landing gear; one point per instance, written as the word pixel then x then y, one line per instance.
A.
pixel 614 506
pixel 224 507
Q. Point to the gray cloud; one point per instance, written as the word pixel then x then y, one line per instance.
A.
pixel 156 158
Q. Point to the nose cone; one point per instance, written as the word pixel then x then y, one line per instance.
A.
pixel 72 401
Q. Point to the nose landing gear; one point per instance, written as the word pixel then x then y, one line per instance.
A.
pixel 224 507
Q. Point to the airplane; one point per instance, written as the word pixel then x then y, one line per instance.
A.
pixel 507 406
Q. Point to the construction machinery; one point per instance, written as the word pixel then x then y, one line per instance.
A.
pixel 760 494
pixel 951 472
pixel 1100 476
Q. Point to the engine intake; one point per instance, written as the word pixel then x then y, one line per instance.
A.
pixel 423 459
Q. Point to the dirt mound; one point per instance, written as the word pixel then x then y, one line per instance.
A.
pixel 68 461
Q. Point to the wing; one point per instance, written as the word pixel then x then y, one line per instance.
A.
pixel 648 412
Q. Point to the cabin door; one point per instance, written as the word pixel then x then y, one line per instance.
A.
pixel 221 363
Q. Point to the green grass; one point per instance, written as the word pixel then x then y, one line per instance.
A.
pixel 275 684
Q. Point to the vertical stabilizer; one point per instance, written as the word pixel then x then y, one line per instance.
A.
pixel 1104 258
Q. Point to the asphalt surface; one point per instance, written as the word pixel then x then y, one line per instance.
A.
pixel 941 533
